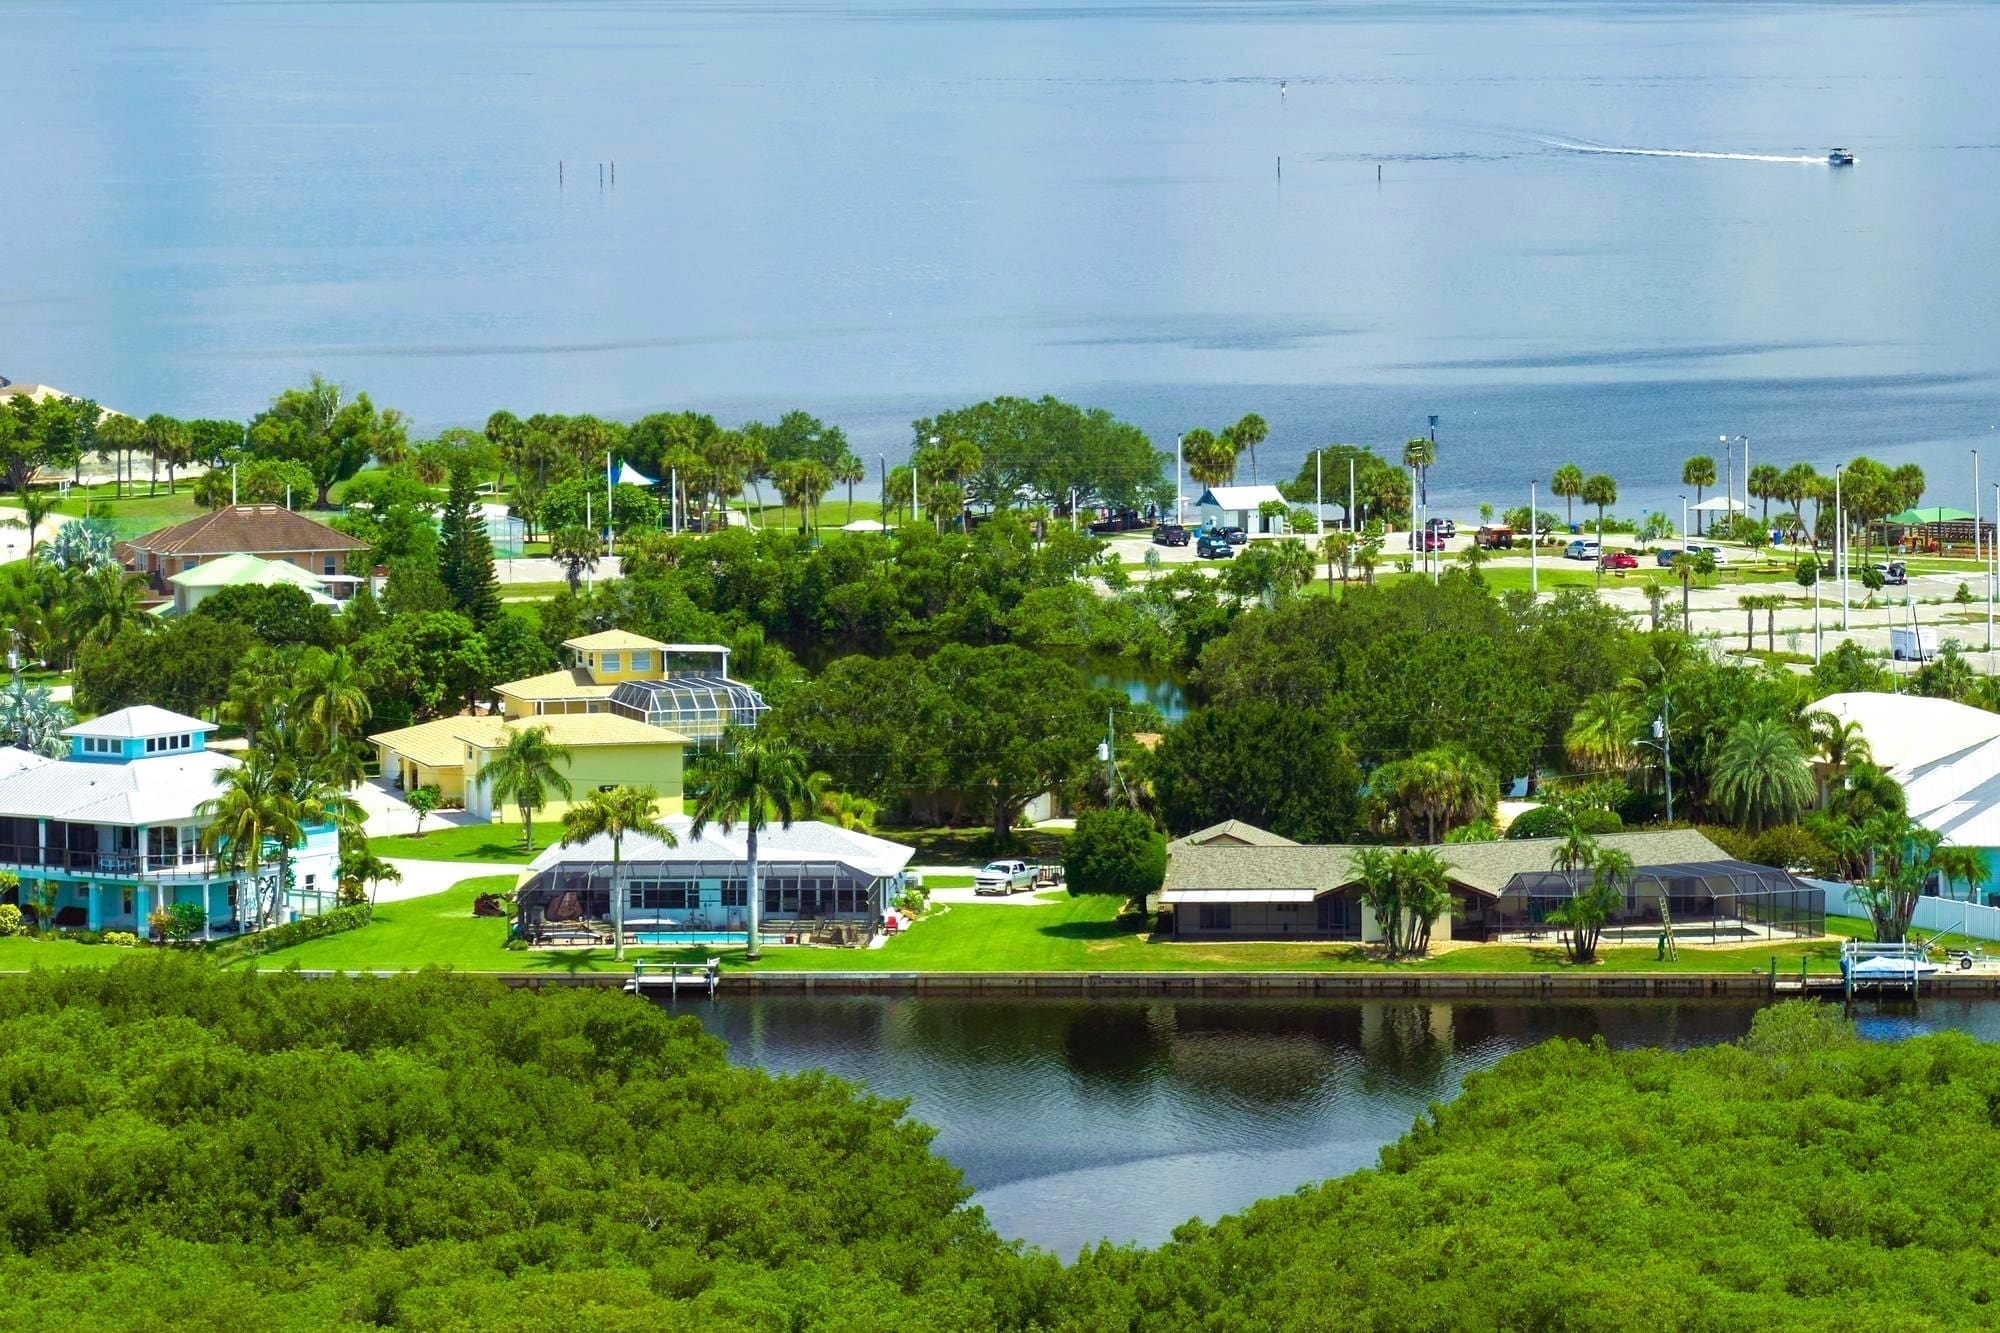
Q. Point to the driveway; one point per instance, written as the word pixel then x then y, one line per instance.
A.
pixel 423 878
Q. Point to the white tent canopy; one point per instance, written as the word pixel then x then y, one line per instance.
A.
pixel 861 525
pixel 1721 504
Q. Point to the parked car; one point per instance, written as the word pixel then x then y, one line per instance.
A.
pixel 1494 537
pixel 1430 541
pixel 1583 548
pixel 1664 557
pixel 1441 525
pixel 1213 546
pixel 1618 560
pixel 1234 536
pixel 1003 877
pixel 1118 520
pixel 1170 534
pixel 1895 573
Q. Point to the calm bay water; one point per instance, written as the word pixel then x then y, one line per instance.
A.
pixel 1077 1121
pixel 875 208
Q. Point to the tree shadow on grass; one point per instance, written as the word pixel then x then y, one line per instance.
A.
pixel 1120 928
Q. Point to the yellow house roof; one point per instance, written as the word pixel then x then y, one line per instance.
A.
pixel 587 729
pixel 611 640
pixel 441 744
pixel 574 683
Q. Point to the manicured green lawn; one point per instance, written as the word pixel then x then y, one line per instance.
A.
pixel 1060 933
pixel 468 842
pixel 136 515
pixel 22 953
pixel 532 592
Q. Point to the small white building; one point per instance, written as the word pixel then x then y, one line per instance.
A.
pixel 1237 507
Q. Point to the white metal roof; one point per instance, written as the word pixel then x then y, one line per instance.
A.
pixel 142 720
pixel 1906 732
pixel 1239 497
pixel 807 840
pixel 163 789
pixel 1173 896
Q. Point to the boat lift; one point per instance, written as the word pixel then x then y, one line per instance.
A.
pixel 649 977
pixel 1884 969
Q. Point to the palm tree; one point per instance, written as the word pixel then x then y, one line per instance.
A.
pixel 1435 790
pixel 576 549
pixel 35 506
pixel 613 814
pixel 750 779
pixel 1589 907
pixel 1767 483
pixel 330 696
pixel 1761 776
pixel 848 811
pixel 1339 545
pixel 1840 745
pixel 1600 736
pixel 848 470
pixel 1568 483
pixel 1249 432
pixel 1965 864
pixel 255 804
pixel 1210 461
pixel 1601 490
pixel 32 720
pixel 1419 452
pixel 105 601
pixel 526 769
pixel 1698 472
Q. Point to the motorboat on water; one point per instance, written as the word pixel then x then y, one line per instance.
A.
pixel 1839 157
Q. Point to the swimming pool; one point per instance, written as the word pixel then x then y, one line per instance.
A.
pixel 699 937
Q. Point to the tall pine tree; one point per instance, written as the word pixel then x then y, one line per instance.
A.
pixel 465 553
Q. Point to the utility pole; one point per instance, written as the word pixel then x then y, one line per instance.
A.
pixel 1178 503
pixel 1351 525
pixel 1663 741
pixel 610 509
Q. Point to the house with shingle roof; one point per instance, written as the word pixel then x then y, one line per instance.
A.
pixel 269 531
pixel 1247 887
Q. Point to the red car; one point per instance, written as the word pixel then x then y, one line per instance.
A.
pixel 1618 560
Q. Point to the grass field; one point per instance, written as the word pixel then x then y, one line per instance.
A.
pixel 468 842
pixel 1060 933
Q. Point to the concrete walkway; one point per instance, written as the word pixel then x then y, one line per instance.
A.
pixel 423 878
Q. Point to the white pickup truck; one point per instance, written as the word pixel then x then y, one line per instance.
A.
pixel 1004 877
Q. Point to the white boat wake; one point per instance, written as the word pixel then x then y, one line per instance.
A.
pixel 1572 147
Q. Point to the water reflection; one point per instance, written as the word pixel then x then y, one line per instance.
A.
pixel 1079 1120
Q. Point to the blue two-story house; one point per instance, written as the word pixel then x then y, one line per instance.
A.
pixel 114 827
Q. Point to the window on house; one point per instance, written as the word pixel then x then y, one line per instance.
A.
pixel 735 895
pixel 642 661
pixel 609 661
pixel 328 567
pixel 126 899
pixel 1217 916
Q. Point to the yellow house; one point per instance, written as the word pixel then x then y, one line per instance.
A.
pixel 599 664
pixel 682 687
pixel 605 751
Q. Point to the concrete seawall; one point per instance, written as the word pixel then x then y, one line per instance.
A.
pixel 1342 985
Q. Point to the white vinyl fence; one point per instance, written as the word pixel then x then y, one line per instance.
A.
pixel 1932 914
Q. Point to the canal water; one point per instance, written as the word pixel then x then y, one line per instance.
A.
pixel 1082 1120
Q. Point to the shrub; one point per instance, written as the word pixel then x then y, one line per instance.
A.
pixel 124 939
pixel 10 920
pixel 305 928
pixel 1115 851
pixel 1730 839
pixel 1791 847
pixel 1544 821
pixel 184 921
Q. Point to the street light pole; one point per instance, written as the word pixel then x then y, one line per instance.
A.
pixel 1840 543
pixel 1178 505
pixel 1978 549
pixel 1534 585
pixel 1989 579
pixel 1350 495
pixel 1319 493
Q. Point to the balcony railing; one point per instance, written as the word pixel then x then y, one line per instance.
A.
pixel 185 865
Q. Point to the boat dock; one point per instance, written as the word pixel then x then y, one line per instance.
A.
pixel 1883 969
pixel 651 978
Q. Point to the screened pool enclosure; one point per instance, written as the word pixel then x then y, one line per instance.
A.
pixel 1720 900
pixel 699 707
